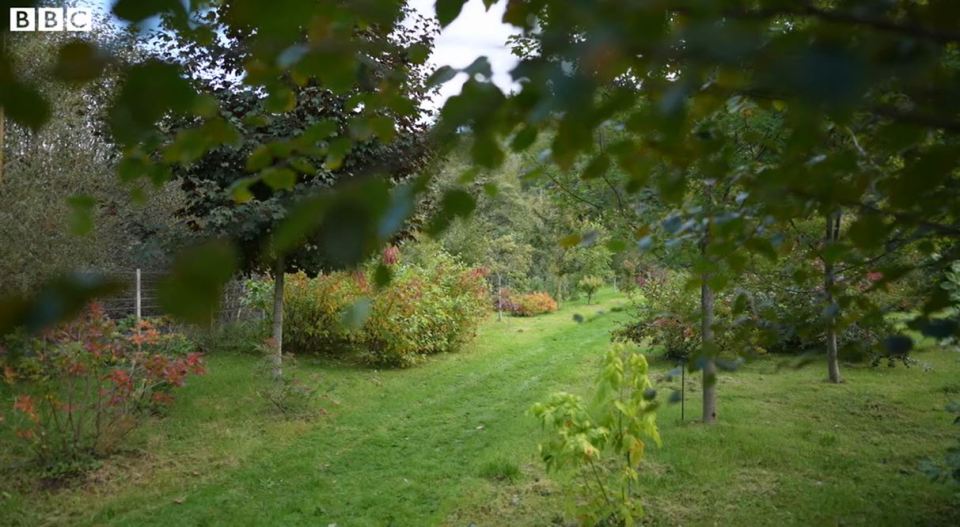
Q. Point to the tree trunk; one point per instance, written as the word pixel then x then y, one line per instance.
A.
pixel 278 272
pixel 3 49
pixel 2 143
pixel 709 362
pixel 833 363
pixel 706 332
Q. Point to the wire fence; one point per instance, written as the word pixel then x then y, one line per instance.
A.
pixel 139 299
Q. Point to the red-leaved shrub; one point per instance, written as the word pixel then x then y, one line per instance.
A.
pixel 79 389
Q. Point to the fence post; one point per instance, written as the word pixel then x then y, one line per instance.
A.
pixel 683 387
pixel 138 297
pixel 499 298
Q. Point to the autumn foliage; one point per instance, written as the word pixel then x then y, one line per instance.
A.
pixel 532 304
pixel 429 307
pixel 82 387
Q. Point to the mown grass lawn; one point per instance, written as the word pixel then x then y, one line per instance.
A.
pixel 423 446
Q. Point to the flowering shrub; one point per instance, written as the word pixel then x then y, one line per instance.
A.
pixel 430 307
pixel 532 304
pixel 82 387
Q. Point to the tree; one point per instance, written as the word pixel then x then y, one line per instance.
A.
pixel 887 70
pixel 590 284
pixel 285 153
pixel 833 234
pixel 60 205
pixel 693 63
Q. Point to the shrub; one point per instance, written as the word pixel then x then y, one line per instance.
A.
pixel 313 312
pixel 82 387
pixel 429 307
pixel 665 314
pixel 604 442
pixel 533 304
pixel 505 301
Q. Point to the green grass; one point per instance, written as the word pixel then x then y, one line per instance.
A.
pixel 451 443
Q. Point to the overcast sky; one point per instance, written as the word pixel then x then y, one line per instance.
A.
pixel 476 32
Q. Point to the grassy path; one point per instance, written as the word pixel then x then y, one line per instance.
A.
pixel 399 448
pixel 408 447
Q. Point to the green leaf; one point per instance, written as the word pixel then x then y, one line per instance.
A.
pixel 455 203
pixel 193 289
pixel 151 90
pixel 55 301
pixel 302 165
pixel 337 152
pixel 79 61
pixel 24 104
pixel 140 10
pixel 523 139
pixel 448 11
pixel 418 53
pixel 597 167
pixel 240 190
pixel 442 75
pixel 481 67
pixel 382 276
pixel 281 100
pixel 259 159
pixel 279 178
pixel 458 203
pixel 383 127
pixel 570 241
pixel 354 316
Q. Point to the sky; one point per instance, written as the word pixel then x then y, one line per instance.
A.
pixel 476 32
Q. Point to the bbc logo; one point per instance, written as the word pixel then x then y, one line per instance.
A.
pixel 51 19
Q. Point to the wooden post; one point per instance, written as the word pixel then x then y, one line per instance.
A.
pixel 278 271
pixel 499 298
pixel 683 388
pixel 138 310
pixel 139 296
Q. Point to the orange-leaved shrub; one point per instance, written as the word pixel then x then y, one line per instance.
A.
pixel 313 311
pixel 427 308
pixel 532 304
pixel 79 389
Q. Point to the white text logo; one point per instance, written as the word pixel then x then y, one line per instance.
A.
pixel 50 19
